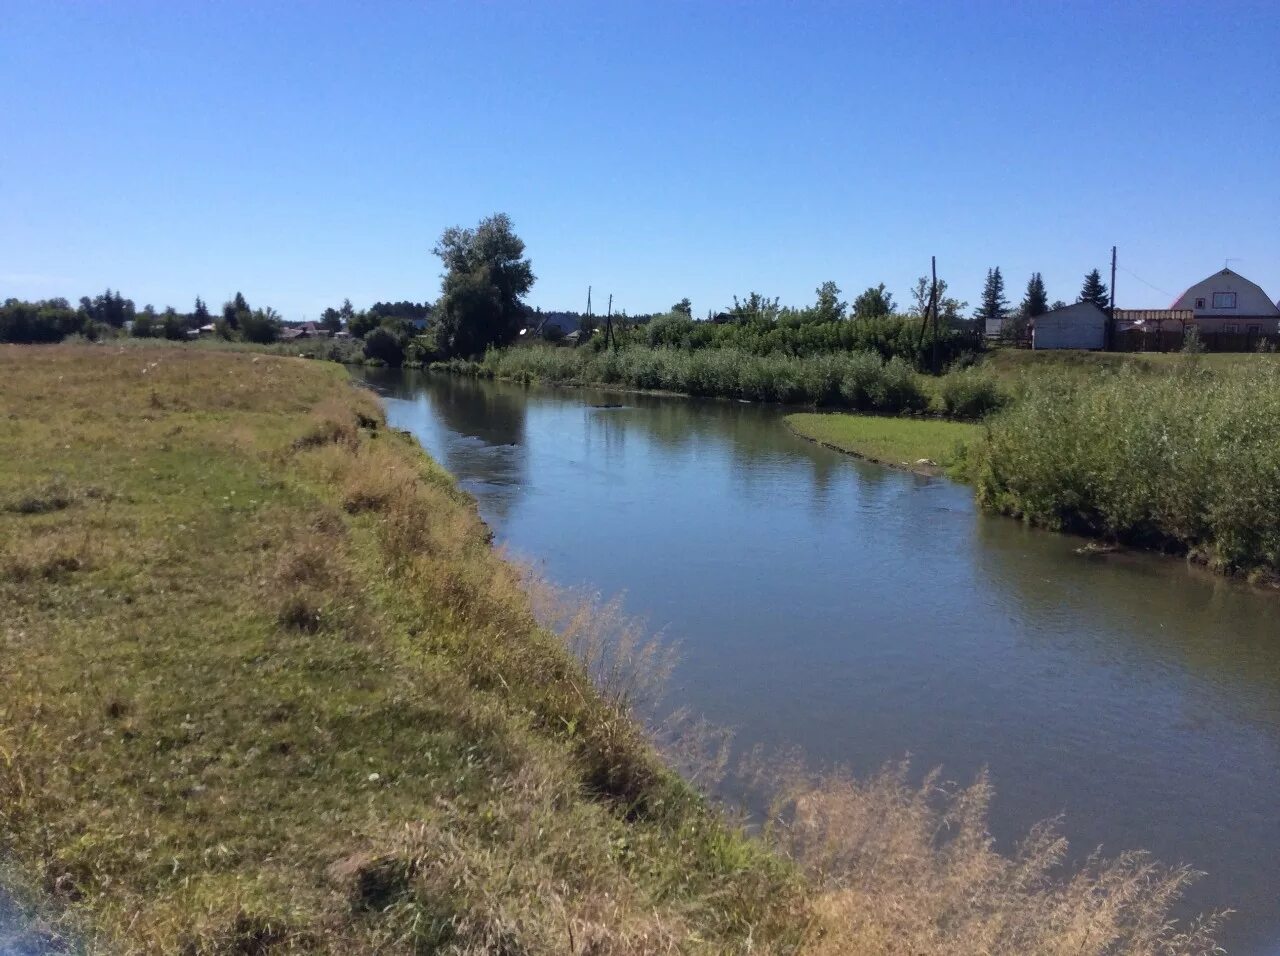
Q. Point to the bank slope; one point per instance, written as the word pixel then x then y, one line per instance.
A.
pixel 268 687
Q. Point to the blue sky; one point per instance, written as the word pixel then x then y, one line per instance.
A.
pixel 306 152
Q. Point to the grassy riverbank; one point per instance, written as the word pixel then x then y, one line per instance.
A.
pixel 268 688
pixel 267 685
pixel 925 445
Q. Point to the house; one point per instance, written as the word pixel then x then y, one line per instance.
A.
pixel 556 325
pixel 1079 326
pixel 1228 304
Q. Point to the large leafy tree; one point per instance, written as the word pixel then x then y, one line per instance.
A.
pixel 485 280
pixel 994 306
pixel 684 307
pixel 874 303
pixel 1095 290
pixel 1036 300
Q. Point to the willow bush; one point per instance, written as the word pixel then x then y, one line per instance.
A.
pixel 856 380
pixel 1188 462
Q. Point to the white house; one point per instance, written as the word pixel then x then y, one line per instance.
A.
pixel 1229 303
pixel 1079 326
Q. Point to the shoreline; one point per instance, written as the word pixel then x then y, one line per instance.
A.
pixel 924 471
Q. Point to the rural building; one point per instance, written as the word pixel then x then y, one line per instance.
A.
pixel 1228 306
pixel 1230 313
pixel 1151 330
pixel 1079 326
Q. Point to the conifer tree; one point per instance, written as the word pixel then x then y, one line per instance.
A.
pixel 1095 290
pixel 994 307
pixel 1036 300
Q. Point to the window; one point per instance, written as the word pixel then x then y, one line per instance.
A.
pixel 1200 303
pixel 1232 329
pixel 1224 300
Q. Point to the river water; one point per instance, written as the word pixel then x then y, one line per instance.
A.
pixel 863 614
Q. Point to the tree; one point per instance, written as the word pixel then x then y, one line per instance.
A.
pixel 684 307
pixel 235 310
pixel 171 326
pixel 260 325
pixel 200 314
pixel 950 309
pixel 384 345
pixel 994 307
pixel 362 324
pixel 874 303
pixel 1095 291
pixel 830 308
pixel 1036 300
pixel 486 278
pixel 1057 304
pixel 756 308
pixel 110 308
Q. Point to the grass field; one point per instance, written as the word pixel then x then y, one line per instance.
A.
pixel 900 442
pixel 268 688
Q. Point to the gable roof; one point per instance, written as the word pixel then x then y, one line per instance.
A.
pixel 1187 300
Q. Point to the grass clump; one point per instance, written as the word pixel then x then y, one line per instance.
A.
pixel 928 445
pixel 1185 462
pixel 903 868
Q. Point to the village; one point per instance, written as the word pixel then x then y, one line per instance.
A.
pixel 1225 312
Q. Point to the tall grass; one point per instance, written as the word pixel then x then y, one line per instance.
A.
pixel 901 869
pixel 1188 462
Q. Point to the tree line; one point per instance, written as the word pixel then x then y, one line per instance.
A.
pixel 482 305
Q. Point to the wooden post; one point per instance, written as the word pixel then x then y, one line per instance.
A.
pixel 1111 309
pixel 933 306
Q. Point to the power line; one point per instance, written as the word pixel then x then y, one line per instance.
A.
pixel 1144 281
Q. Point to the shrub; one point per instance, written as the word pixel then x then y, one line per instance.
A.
pixel 969 393
pixel 384 346
pixel 1186 462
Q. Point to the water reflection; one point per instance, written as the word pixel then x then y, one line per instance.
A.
pixel 480 430
pixel 863 613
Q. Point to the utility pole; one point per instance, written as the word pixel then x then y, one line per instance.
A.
pixel 1111 310
pixel 933 306
pixel 608 325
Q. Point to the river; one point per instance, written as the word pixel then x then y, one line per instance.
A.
pixel 863 614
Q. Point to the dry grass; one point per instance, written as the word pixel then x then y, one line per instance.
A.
pixel 272 690
pixel 902 868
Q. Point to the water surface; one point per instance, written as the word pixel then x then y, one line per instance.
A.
pixel 864 613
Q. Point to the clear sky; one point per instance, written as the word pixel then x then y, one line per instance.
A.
pixel 303 152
